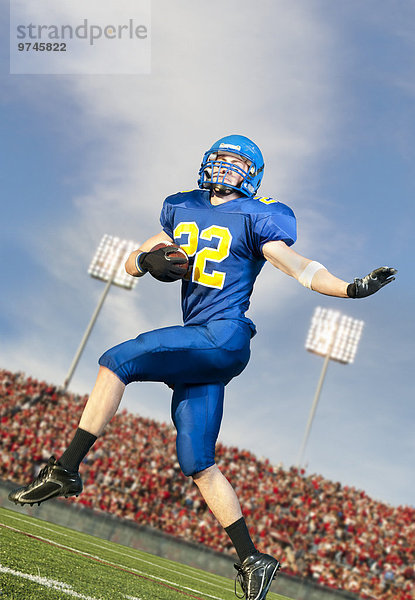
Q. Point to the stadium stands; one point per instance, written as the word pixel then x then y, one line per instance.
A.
pixel 335 535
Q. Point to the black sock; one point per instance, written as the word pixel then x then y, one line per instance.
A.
pixel 77 450
pixel 239 534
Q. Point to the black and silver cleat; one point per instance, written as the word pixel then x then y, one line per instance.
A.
pixel 255 575
pixel 52 481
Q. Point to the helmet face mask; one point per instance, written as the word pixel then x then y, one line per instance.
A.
pixel 223 176
pixel 243 175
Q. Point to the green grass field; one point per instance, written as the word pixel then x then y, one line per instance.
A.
pixel 43 561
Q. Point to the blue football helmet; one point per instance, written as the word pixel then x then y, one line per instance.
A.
pixel 212 172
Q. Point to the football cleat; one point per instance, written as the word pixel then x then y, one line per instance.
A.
pixel 52 481
pixel 255 575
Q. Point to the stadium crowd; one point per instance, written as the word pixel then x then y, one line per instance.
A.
pixel 335 535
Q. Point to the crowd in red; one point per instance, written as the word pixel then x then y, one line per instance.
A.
pixel 335 535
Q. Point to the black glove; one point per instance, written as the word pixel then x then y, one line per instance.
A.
pixel 162 266
pixel 371 283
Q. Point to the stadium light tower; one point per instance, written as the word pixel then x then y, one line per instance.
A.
pixel 106 265
pixel 336 337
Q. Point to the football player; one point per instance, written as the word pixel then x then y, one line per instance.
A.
pixel 228 232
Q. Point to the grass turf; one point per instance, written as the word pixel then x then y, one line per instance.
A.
pixel 43 561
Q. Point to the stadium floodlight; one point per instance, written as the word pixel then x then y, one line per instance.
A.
pixel 108 261
pixel 106 265
pixel 336 337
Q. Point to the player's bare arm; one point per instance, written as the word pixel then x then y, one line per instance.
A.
pixel 130 264
pixel 315 276
pixel 290 262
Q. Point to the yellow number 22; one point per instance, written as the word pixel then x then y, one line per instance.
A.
pixel 217 254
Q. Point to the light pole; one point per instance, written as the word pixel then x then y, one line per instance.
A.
pixel 106 265
pixel 336 337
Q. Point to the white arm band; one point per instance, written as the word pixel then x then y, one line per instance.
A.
pixel 137 264
pixel 306 276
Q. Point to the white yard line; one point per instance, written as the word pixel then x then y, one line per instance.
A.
pixel 108 562
pixel 125 554
pixel 173 570
pixel 50 583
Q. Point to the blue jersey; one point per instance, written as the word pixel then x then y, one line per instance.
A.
pixel 224 244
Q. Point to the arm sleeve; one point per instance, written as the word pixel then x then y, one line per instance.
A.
pixel 166 218
pixel 275 226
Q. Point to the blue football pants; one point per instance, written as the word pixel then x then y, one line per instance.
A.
pixel 198 361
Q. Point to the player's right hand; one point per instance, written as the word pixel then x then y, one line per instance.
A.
pixel 161 265
pixel 377 279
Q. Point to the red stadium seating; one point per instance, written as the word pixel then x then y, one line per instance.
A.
pixel 334 535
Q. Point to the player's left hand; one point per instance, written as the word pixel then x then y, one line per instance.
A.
pixel 361 288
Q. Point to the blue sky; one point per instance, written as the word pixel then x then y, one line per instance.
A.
pixel 327 90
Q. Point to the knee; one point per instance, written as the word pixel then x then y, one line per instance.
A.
pixel 206 475
pixel 193 457
pixel 110 363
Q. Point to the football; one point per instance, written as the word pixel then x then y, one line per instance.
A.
pixel 178 253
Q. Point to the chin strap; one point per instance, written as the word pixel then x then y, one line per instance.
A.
pixel 218 189
pixel 222 190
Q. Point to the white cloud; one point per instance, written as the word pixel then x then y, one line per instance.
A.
pixel 210 76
